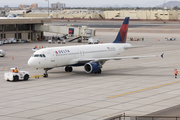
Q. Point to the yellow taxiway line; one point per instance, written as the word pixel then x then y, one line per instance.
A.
pixel 144 89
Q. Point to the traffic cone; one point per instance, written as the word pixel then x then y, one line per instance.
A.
pixel 12 57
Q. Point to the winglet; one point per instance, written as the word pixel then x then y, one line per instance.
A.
pixel 34 49
pixel 122 34
pixel 162 55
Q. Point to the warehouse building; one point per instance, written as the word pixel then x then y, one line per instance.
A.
pixel 97 14
pixel 22 28
pixel 144 14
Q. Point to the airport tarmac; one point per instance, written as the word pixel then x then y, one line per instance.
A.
pixel 134 87
pixel 111 23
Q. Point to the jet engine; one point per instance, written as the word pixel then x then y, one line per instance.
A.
pixel 92 67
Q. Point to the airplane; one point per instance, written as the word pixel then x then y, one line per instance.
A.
pixel 92 57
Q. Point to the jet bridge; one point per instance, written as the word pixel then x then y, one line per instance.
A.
pixel 78 32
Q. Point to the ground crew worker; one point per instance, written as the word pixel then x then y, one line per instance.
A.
pixel 12 70
pixel 16 71
pixel 142 38
pixel 175 73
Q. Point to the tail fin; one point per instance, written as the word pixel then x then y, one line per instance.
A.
pixel 122 35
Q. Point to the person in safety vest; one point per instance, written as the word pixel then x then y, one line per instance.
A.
pixel 175 73
pixel 15 70
pixel 12 70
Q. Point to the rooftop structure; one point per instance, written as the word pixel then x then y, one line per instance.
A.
pixel 33 5
pixel 58 5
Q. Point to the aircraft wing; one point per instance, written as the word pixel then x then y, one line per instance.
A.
pixel 129 47
pixel 116 58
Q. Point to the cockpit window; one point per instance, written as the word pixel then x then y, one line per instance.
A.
pixel 38 55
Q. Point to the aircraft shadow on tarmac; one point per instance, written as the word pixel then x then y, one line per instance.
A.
pixel 114 72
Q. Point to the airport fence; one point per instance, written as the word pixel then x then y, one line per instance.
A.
pixel 146 117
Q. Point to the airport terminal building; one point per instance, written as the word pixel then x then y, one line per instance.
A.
pixel 21 28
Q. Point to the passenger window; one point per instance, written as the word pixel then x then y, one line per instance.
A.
pixel 36 55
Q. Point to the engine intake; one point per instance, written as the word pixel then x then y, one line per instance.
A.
pixel 92 67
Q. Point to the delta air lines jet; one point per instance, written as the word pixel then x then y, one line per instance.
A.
pixel 92 57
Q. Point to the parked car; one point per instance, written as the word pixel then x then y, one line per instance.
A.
pixel 93 40
pixel 12 40
pixel 171 38
pixel 1 42
pixel 51 41
pixel 26 40
pixel 5 41
pixel 2 53
pixel 64 42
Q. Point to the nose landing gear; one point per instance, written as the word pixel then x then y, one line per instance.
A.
pixel 45 74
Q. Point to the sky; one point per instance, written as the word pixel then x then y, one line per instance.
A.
pixel 86 3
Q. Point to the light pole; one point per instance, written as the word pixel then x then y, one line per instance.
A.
pixel 48 7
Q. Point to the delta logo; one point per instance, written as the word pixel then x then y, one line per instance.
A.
pixel 62 51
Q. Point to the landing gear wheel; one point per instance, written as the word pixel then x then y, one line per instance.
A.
pixel 45 75
pixel 99 72
pixel 68 69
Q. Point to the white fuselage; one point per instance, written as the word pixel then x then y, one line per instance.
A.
pixel 69 55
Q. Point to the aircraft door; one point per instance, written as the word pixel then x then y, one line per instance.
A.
pixel 53 58
pixel 81 53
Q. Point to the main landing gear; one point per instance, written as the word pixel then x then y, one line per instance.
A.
pixel 98 72
pixel 68 69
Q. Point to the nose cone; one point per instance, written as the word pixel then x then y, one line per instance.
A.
pixel 31 63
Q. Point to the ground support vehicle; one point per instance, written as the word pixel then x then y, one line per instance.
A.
pixel 15 76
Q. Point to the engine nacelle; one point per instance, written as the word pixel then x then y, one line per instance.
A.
pixel 92 67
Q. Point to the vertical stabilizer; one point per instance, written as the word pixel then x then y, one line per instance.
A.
pixel 122 34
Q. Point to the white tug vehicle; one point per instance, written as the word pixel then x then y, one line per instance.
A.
pixel 16 75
